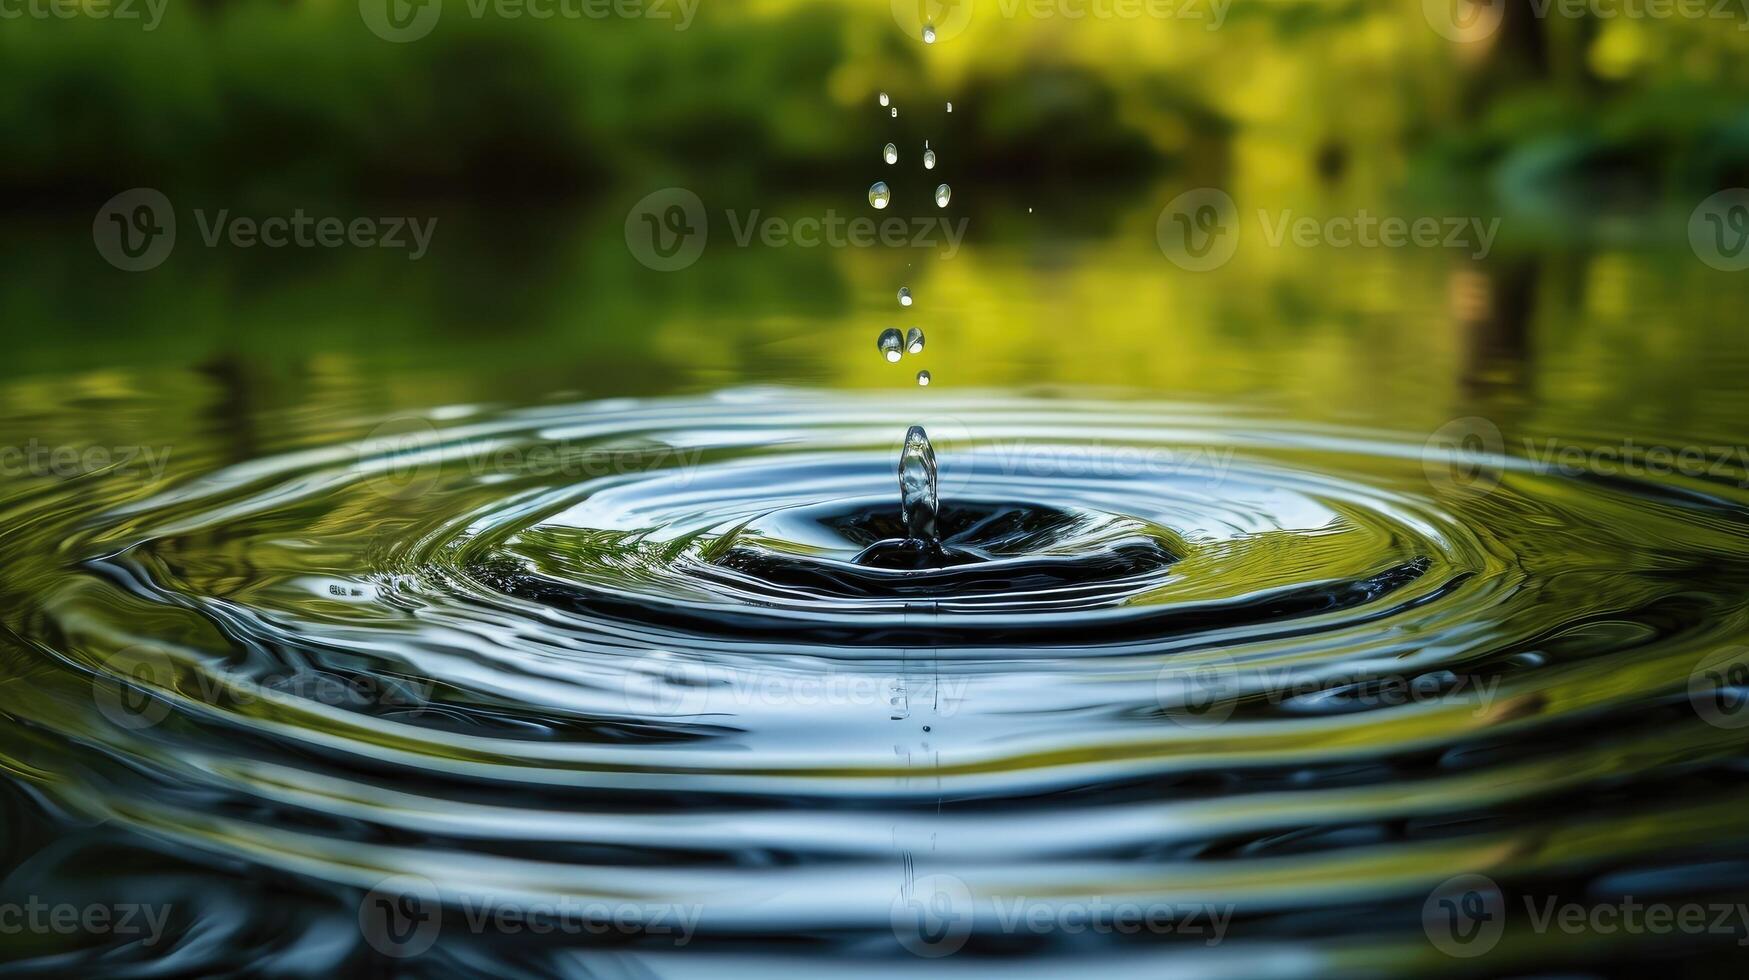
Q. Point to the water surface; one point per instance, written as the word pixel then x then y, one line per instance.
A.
pixel 1290 592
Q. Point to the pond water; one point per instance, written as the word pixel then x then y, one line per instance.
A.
pixel 351 603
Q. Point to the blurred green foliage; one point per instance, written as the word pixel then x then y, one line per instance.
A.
pixel 289 99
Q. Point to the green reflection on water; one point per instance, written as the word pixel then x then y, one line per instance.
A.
pixel 223 357
pixel 1539 337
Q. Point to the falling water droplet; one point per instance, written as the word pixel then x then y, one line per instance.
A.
pixel 923 379
pixel 890 343
pixel 884 99
pixel 942 193
pixel 879 194
pixel 890 153
pixel 928 159
pixel 950 107
pixel 928 33
pixel 895 112
pixel 904 295
pixel 914 340
pixel 918 496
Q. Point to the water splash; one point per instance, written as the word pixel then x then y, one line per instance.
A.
pixel 919 496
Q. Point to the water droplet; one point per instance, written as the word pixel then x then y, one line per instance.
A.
pixel 895 112
pixel 891 343
pixel 918 496
pixel 942 193
pixel 890 153
pixel 879 194
pixel 914 340
pixel 884 99
pixel 923 378
pixel 950 107
pixel 928 159
pixel 928 33
pixel 904 295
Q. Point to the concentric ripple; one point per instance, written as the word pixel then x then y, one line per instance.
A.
pixel 640 652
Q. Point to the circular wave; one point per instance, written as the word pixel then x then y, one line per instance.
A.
pixel 641 651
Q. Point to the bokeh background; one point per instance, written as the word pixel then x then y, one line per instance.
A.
pixel 270 101
pixel 1592 138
